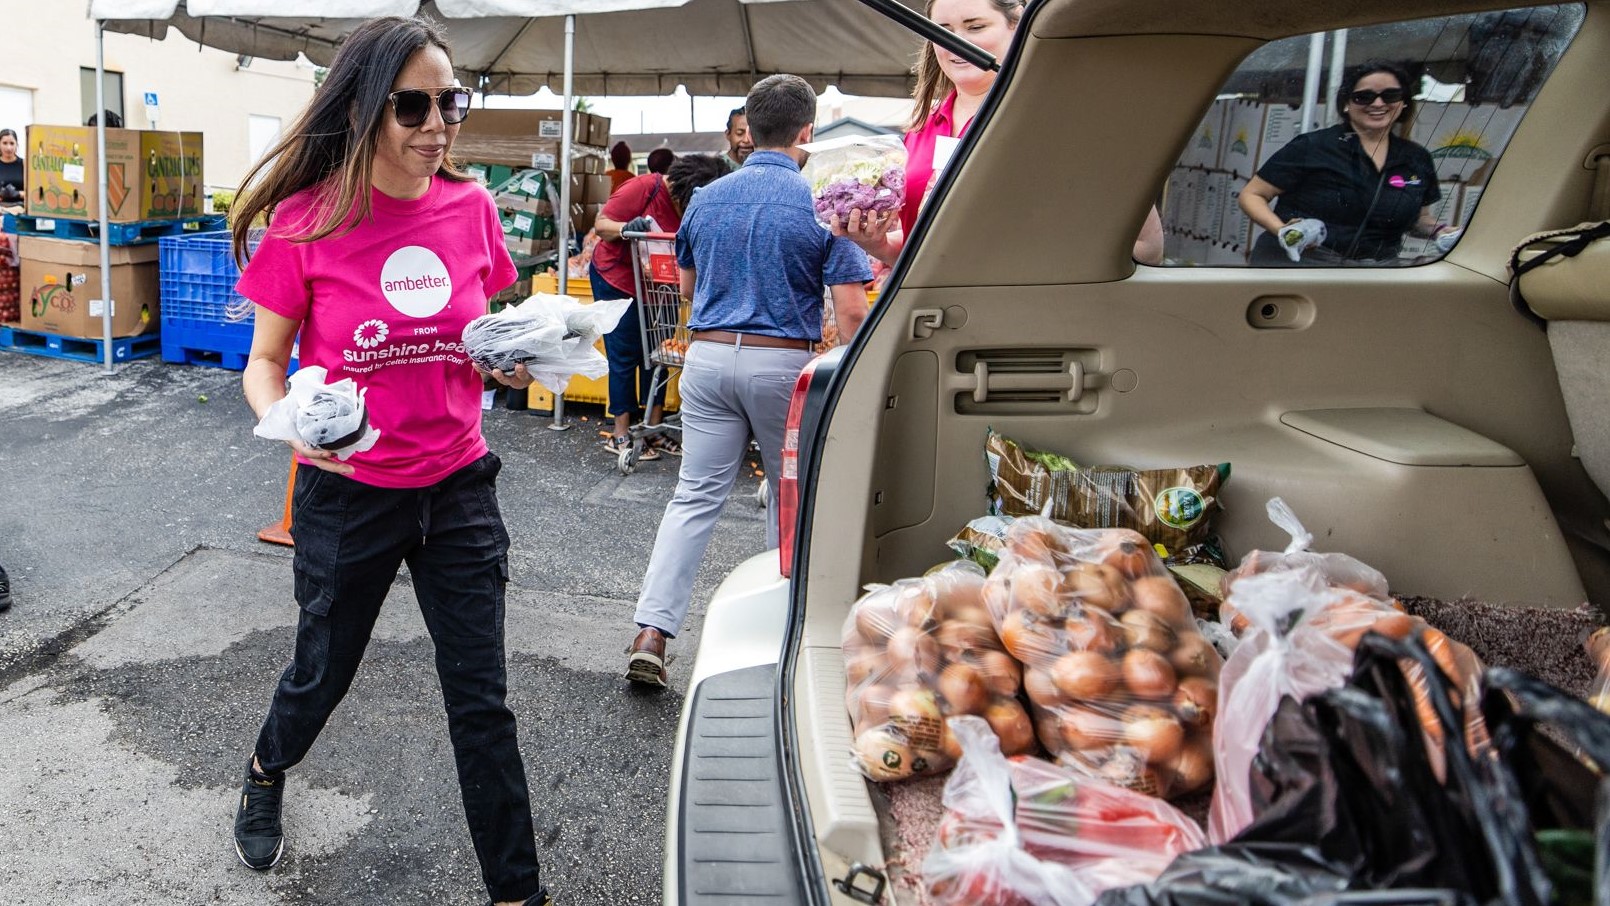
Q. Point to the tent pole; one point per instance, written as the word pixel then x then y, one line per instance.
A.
pixel 100 176
pixel 1316 61
pixel 1338 63
pixel 561 217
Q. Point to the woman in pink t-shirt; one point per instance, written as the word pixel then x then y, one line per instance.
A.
pixel 949 92
pixel 379 251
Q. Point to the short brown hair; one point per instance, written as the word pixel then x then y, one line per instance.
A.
pixel 778 107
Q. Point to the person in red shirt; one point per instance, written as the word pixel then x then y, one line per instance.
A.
pixel 949 91
pixel 652 202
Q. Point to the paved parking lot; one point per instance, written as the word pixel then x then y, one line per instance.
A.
pixel 150 626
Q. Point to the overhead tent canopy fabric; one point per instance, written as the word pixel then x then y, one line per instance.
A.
pixel 622 47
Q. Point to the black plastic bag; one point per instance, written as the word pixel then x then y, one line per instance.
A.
pixel 1350 812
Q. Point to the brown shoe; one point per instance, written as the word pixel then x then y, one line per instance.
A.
pixel 647 662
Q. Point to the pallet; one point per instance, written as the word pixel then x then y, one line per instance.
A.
pixel 78 349
pixel 117 233
pixel 208 358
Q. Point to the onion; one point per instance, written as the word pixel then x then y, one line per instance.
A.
pixel 1162 596
pixel 1000 673
pixel 859 669
pixel 1194 655
pixel 1148 674
pixel 875 617
pixel 1084 675
pixel 1039 589
pixel 1098 585
pixel 1092 629
pixel 1042 690
pixel 1128 553
pixel 1128 770
pixel 1192 768
pixel 956 590
pixel 956 638
pixel 1196 701
pixel 1031 541
pixel 1086 728
pixel 913 705
pixel 1011 723
pixel 963 689
pixel 1153 733
pixel 883 755
pixel 1028 638
pixel 915 605
pixel 874 705
pixel 911 648
pixel 1143 629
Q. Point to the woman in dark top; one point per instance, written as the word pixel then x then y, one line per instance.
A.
pixel 1367 186
pixel 13 173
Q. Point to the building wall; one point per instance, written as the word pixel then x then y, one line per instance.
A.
pixel 199 89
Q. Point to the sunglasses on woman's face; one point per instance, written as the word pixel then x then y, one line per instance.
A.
pixel 1366 98
pixel 412 105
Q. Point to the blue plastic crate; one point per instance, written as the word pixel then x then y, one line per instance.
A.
pixel 198 275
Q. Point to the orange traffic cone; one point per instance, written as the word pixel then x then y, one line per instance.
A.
pixel 280 532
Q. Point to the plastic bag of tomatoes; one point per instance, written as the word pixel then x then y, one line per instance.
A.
pixel 919 651
pixel 1123 684
pixel 1026 831
pixel 1300 615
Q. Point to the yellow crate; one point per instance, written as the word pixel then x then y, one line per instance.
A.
pixel 592 390
pixel 578 287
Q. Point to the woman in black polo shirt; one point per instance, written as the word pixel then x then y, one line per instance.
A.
pixel 1367 186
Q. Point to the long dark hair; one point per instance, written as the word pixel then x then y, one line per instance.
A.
pixel 332 144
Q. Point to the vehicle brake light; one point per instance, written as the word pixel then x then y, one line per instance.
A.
pixel 788 481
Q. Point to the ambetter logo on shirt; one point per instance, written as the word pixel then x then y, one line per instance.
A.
pixel 415 282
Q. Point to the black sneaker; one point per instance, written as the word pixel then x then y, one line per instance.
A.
pixel 5 590
pixel 259 840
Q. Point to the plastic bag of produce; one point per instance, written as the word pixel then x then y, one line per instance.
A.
pixel 1355 601
pixel 919 651
pixel 864 173
pixel 1024 830
pixel 1123 685
pixel 1598 646
pixel 1171 507
pixel 553 336
pixel 325 416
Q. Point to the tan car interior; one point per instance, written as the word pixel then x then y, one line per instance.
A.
pixel 1411 416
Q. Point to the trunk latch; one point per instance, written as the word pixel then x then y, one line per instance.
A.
pixel 854 884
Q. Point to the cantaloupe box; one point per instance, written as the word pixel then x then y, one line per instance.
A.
pixel 150 175
pixel 61 287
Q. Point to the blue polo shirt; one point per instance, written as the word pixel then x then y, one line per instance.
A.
pixel 761 258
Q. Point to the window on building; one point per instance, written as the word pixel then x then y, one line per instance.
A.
pixel 114 93
pixel 261 134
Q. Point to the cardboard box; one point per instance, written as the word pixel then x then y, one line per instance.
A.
pixel 1235 229
pixel 583 216
pixel 1215 189
pixel 1281 124
pixel 588 188
pixel 1203 148
pixel 1243 133
pixel 150 175
pixel 526 247
pixel 597 130
pixel 508 203
pixel 522 138
pixel 1464 140
pixel 61 288
pixel 527 225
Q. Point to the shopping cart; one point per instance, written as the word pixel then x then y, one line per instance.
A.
pixel 662 318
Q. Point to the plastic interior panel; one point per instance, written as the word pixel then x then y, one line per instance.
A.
pixel 1411 437
pixel 845 821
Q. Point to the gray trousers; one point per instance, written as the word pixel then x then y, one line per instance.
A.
pixel 728 393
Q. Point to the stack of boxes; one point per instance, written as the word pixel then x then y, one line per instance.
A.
pixel 151 176
pixel 1202 219
pixel 516 154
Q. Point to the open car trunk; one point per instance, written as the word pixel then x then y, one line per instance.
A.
pixel 1409 415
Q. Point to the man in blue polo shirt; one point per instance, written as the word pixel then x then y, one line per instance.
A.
pixel 755 262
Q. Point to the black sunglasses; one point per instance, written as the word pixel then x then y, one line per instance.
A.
pixel 412 105
pixel 1366 97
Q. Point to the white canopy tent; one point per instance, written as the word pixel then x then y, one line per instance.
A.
pixel 626 47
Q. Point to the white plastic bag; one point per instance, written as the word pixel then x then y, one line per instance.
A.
pixel 856 172
pixel 329 417
pixel 552 336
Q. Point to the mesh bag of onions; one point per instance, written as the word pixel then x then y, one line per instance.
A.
pixel 1123 684
pixel 919 651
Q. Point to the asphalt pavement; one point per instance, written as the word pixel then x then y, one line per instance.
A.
pixel 150 626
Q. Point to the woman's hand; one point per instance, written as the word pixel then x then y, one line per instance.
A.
pixel 322 459
pixel 519 379
pixel 871 231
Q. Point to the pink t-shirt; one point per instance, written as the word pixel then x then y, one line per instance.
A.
pixel 386 305
pixel 920 156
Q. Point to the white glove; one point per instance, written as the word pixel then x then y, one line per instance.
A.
pixel 1298 237
pixel 1447 239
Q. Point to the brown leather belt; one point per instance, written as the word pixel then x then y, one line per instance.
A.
pixel 728 338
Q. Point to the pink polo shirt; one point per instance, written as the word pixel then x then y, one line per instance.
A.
pixel 386 304
pixel 920 156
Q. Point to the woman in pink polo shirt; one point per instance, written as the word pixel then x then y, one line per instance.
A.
pixel 379 251
pixel 949 91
